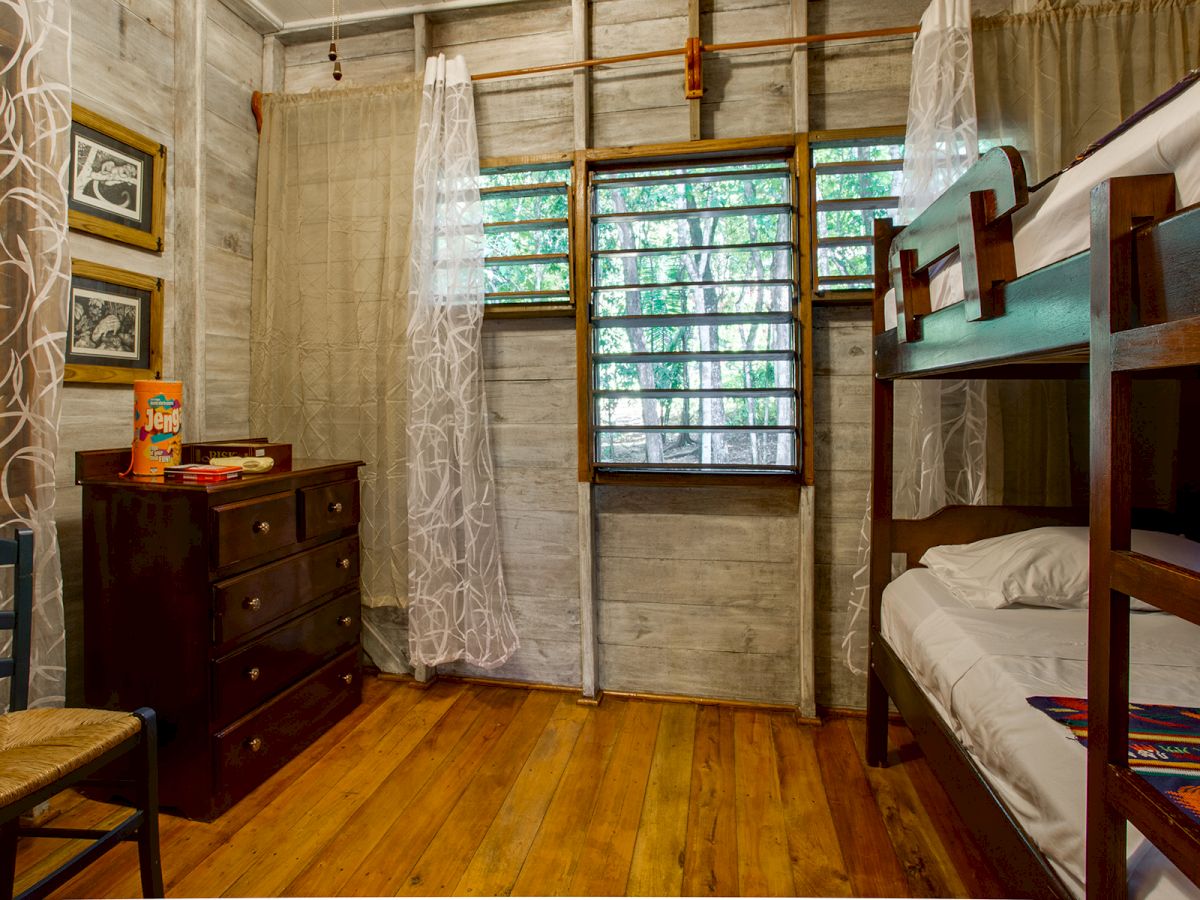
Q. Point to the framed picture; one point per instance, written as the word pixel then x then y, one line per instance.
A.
pixel 118 182
pixel 114 325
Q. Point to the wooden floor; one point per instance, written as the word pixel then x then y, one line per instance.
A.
pixel 467 789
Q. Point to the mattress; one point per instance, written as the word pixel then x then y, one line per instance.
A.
pixel 977 667
pixel 1057 221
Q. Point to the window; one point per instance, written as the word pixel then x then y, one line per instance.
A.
pixel 693 325
pixel 526 228
pixel 855 181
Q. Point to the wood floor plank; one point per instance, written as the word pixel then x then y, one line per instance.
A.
pixel 363 842
pixel 818 869
pixel 497 862
pixel 918 847
pixel 550 863
pixel 867 850
pixel 656 869
pixel 612 830
pixel 398 849
pixel 384 742
pixel 764 864
pixel 974 868
pixel 186 843
pixel 497 790
pixel 711 858
pixel 445 860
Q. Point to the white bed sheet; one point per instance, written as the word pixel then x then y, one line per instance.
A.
pixel 1057 221
pixel 979 666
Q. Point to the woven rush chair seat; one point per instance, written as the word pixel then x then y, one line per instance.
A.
pixel 45 751
pixel 40 746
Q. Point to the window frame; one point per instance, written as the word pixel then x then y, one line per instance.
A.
pixel 857 296
pixel 537 310
pixel 792 148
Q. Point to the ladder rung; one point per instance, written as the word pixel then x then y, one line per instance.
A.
pixel 1163 824
pixel 1162 346
pixel 1169 587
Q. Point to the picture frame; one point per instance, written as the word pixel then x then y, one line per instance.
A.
pixel 114 325
pixel 117 182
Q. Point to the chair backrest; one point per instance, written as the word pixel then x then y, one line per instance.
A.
pixel 18 553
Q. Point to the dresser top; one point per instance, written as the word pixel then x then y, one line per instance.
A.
pixel 96 468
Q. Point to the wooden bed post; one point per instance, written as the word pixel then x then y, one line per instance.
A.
pixel 882 420
pixel 1118 206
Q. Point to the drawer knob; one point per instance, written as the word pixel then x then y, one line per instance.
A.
pixel 348 678
pixel 255 744
pixel 335 507
pixel 345 621
pixel 344 562
pixel 262 527
pixel 254 604
pixel 252 673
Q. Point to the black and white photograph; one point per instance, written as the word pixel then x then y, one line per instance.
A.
pixel 105 325
pixel 117 185
pixel 114 330
pixel 107 179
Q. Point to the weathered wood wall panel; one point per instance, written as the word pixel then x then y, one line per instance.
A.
pixel 697 591
pixel 530 372
pixel 233 72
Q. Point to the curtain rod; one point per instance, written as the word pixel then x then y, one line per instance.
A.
pixel 693 52
pixel 707 48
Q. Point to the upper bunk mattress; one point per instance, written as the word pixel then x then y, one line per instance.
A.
pixel 978 666
pixel 1056 223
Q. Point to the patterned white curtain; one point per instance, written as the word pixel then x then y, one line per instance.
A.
pixel 945 458
pixel 35 265
pixel 458 607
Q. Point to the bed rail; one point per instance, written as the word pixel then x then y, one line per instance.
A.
pixel 973 216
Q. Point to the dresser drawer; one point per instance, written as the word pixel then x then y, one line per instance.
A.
pixel 248 751
pixel 253 673
pixel 250 601
pixel 328 508
pixel 253 527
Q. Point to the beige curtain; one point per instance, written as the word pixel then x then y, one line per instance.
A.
pixel 331 249
pixel 1052 81
pixel 35 127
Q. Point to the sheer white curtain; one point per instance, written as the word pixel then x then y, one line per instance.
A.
pixel 458 607
pixel 945 457
pixel 35 265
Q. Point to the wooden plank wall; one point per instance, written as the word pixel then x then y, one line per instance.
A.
pixel 123 66
pixel 696 590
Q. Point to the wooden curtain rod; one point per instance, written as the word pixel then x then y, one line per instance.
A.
pixel 708 48
pixel 692 52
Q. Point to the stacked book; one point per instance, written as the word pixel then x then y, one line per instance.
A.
pixel 199 473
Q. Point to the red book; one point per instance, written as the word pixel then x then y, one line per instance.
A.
pixel 198 472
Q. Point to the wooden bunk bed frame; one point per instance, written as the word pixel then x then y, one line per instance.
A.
pixel 1132 303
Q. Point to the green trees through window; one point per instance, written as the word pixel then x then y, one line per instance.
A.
pixel 692 313
pixel 526 213
pixel 855 182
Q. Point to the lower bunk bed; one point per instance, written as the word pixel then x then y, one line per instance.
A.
pixel 987 692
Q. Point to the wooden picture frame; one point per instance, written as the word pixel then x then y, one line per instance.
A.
pixel 114 325
pixel 117 182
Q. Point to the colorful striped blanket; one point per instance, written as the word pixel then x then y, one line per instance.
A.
pixel 1164 744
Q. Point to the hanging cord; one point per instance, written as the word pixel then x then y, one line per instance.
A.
pixel 335 31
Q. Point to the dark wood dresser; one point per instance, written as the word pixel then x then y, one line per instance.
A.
pixel 231 609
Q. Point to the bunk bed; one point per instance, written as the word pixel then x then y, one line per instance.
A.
pixel 958 293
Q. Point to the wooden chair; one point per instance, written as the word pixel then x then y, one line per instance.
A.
pixel 44 751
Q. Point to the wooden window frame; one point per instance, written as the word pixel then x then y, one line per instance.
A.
pixel 795 147
pixel 857 297
pixel 540 310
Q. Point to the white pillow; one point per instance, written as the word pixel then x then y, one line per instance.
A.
pixel 1040 567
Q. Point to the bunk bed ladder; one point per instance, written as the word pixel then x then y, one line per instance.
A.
pixel 1121 346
